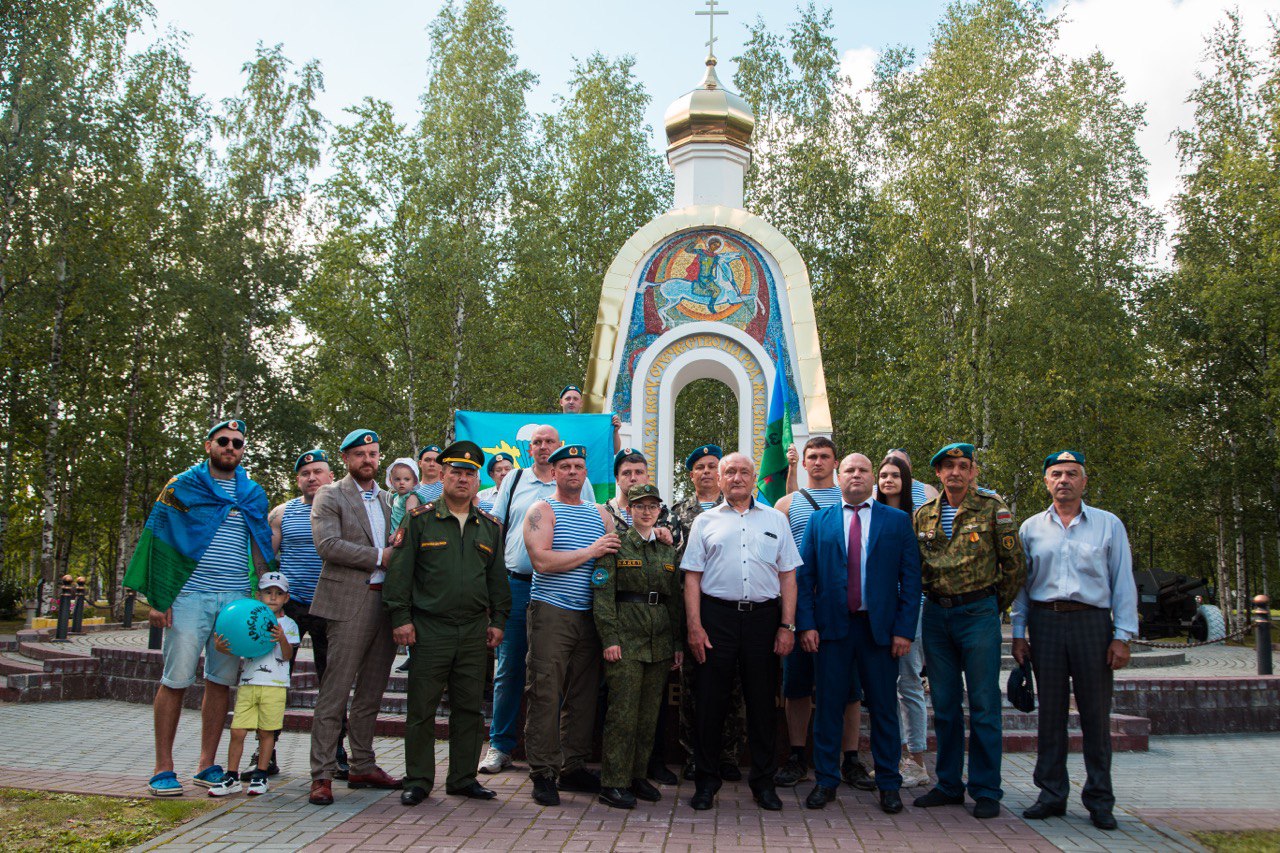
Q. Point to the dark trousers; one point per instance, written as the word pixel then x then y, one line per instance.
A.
pixel 841 663
pixel 449 657
pixel 742 644
pixel 1070 649
pixel 300 612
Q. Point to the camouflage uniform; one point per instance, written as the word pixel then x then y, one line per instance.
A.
pixel 734 736
pixel 649 634
pixel 984 549
pixel 665 519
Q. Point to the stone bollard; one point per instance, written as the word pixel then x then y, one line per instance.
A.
pixel 64 610
pixel 1262 632
pixel 129 598
pixel 77 618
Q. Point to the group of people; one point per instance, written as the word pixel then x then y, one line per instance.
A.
pixel 850 589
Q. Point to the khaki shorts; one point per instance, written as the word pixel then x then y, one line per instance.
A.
pixel 259 706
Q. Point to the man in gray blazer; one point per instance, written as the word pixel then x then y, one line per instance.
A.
pixel 351 524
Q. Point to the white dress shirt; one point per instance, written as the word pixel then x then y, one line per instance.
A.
pixel 741 554
pixel 864 515
pixel 378 527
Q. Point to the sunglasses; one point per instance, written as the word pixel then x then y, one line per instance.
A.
pixel 223 441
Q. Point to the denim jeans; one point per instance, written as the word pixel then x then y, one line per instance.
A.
pixel 508 670
pixel 964 642
pixel 913 713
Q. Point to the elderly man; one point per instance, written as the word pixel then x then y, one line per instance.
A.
pixel 859 594
pixel 740 605
pixel 205 538
pixel 564 535
pixel 571 404
pixel 973 568
pixel 1080 605
pixel 351 525
pixel 446 591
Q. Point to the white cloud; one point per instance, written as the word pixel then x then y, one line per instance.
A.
pixel 858 65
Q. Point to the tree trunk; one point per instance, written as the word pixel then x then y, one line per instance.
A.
pixel 1241 590
pixel 126 486
pixel 53 409
pixel 1220 580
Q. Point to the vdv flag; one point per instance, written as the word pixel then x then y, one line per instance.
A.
pixel 510 432
pixel 772 482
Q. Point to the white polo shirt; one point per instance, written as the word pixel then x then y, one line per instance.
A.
pixel 741 554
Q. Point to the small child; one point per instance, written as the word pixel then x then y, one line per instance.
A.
pixel 264 681
pixel 402 479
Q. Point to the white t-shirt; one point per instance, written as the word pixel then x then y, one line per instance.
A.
pixel 271 670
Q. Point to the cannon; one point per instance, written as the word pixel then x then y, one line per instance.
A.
pixel 1171 604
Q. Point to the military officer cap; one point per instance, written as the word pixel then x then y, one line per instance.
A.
pixel 952 451
pixel 462 454
pixel 569 451
pixel 430 448
pixel 358 438
pixel 234 424
pixel 621 456
pixel 316 455
pixel 1021 688
pixel 1063 456
pixel 566 389
pixel 648 490
pixel 704 450
pixel 498 457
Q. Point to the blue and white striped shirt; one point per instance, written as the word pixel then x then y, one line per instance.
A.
pixel 800 511
pixel 430 492
pixel 577 526
pixel 946 515
pixel 225 565
pixel 298 558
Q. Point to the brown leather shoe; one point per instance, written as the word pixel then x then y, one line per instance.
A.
pixel 321 792
pixel 377 778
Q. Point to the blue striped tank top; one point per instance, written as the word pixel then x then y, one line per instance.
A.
pixel 224 567
pixel 801 510
pixel 298 558
pixel 430 492
pixel 577 526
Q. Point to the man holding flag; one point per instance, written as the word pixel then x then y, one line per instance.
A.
pixel 205 540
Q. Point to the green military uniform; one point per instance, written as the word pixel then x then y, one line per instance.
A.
pixel 449 581
pixel 984 549
pixel 649 635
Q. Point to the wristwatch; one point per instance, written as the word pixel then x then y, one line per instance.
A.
pixel 789 627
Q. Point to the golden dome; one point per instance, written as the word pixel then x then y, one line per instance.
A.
pixel 710 113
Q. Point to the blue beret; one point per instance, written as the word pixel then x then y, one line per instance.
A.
pixel 569 451
pixel 623 454
pixel 235 424
pixel 952 451
pixel 430 448
pixel 704 450
pixel 498 457
pixel 358 437
pixel 1063 456
pixel 566 389
pixel 316 455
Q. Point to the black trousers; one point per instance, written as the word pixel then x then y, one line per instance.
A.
pixel 741 643
pixel 316 627
pixel 1070 650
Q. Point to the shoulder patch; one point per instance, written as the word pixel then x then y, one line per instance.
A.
pixel 397 538
pixel 1007 541
pixel 421 508
pixel 1004 516
pixel 599 577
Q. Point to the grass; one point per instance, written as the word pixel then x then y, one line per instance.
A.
pixel 1247 841
pixel 12 626
pixel 41 820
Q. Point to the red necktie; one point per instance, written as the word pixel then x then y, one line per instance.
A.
pixel 855 561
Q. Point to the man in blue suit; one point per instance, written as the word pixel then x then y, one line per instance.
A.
pixel 857 605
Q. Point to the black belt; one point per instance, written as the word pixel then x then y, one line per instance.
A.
pixel 519 577
pixel 641 597
pixel 949 601
pixel 741 606
pixel 1064 606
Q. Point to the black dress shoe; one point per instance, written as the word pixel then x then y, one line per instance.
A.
pixel 619 798
pixel 730 772
pixel 767 799
pixel 582 780
pixel 890 802
pixel 935 797
pixel 644 791
pixel 544 791
pixel 1041 810
pixel 475 791
pixel 690 772
pixel 853 773
pixel 412 795
pixel 985 807
pixel 819 797
pixel 659 773
pixel 703 798
pixel 1103 819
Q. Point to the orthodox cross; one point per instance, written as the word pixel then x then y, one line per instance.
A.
pixel 711 20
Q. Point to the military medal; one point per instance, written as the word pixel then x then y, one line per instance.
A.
pixel 973 536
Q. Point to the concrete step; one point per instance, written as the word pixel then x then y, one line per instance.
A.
pixel 14 663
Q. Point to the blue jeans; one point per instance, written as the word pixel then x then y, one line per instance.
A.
pixel 911 702
pixel 508 670
pixel 192 634
pixel 965 641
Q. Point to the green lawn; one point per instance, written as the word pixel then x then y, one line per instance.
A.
pixel 41 820
pixel 1250 841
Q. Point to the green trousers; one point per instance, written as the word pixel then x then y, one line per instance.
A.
pixel 451 656
pixel 635 697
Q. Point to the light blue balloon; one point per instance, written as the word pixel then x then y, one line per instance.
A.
pixel 247 624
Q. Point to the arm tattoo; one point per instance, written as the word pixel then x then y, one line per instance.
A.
pixel 535 518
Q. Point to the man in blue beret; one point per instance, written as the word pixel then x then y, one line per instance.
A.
pixel 571 404
pixel 429 484
pixel 1080 607
pixel 972 568
pixel 351 526
pixel 498 467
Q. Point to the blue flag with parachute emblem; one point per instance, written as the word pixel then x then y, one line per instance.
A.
pixel 510 432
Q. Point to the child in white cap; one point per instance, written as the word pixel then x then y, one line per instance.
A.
pixel 402 479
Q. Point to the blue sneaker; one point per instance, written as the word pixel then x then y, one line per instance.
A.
pixel 165 784
pixel 209 776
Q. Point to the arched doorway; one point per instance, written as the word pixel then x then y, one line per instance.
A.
pixel 706 413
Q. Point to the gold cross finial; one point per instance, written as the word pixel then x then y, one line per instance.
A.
pixel 711 13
